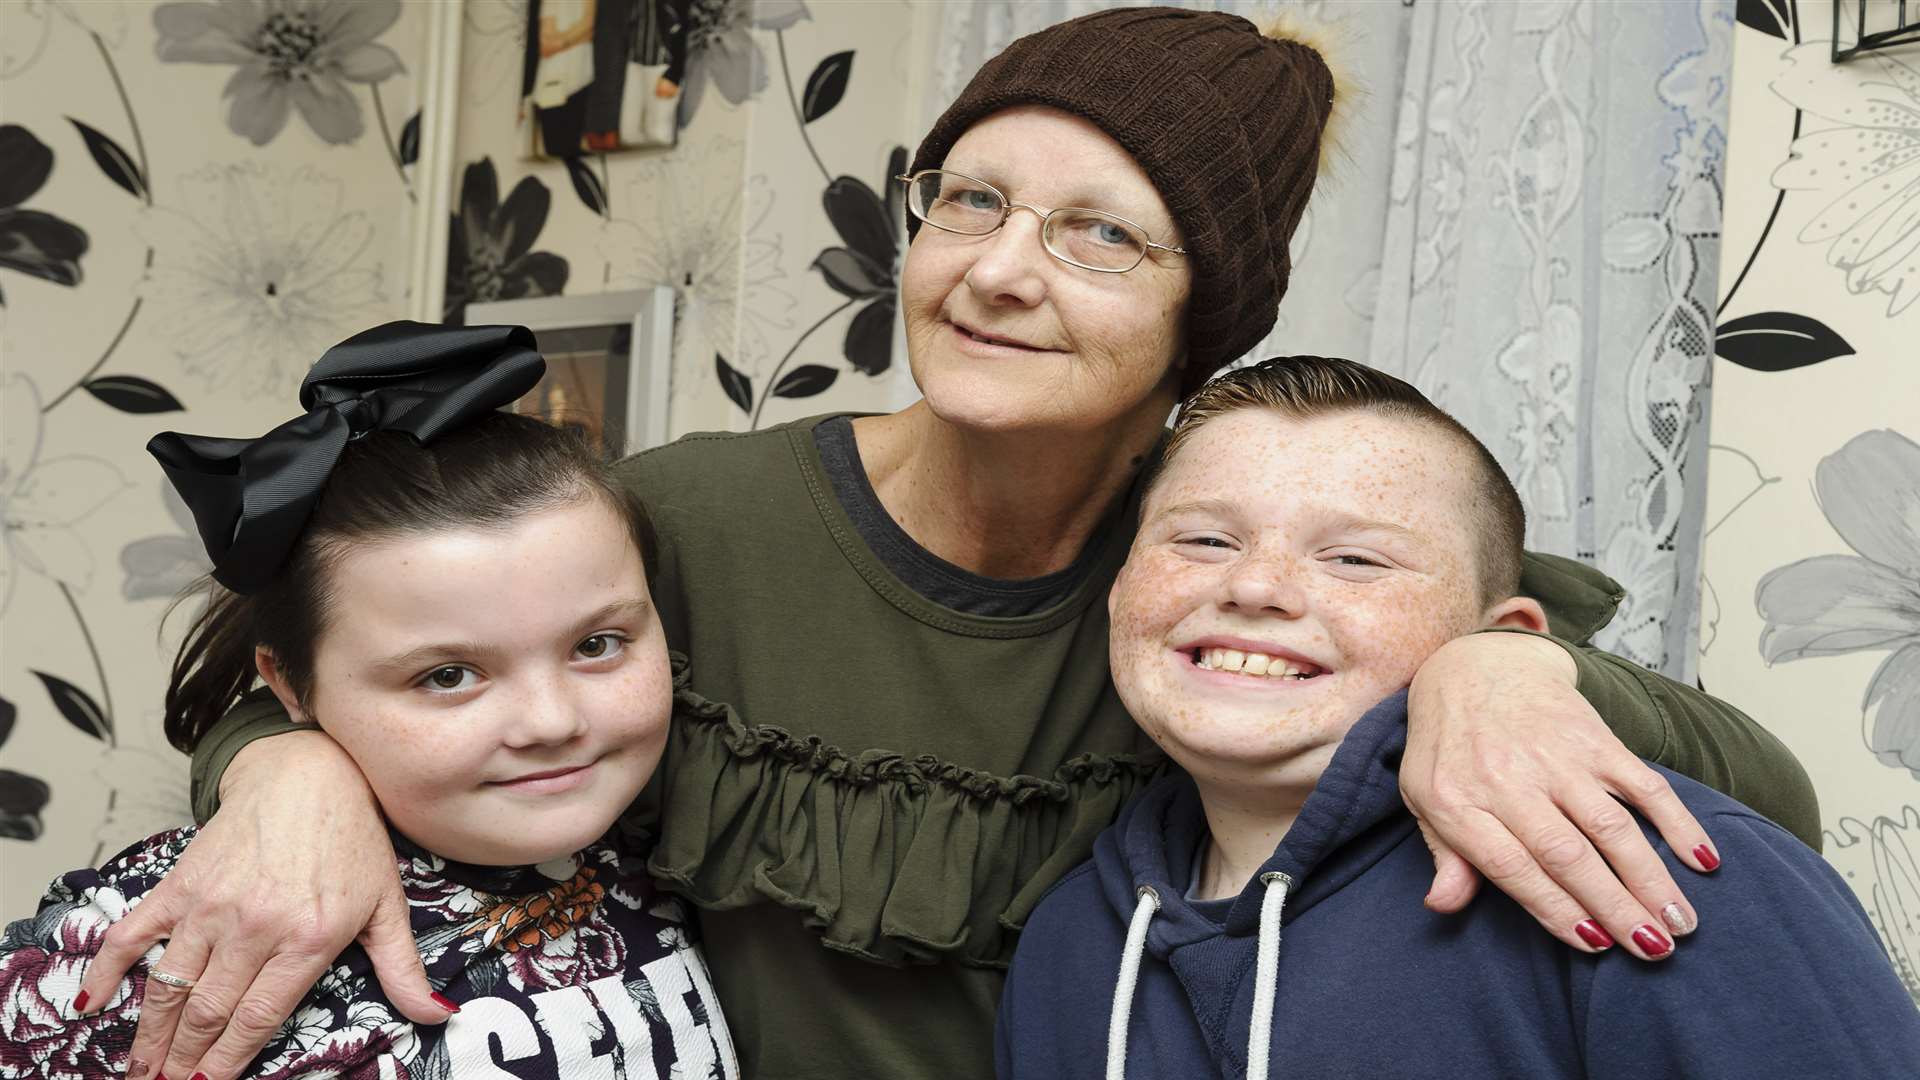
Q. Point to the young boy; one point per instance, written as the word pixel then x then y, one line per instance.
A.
pixel 1316 531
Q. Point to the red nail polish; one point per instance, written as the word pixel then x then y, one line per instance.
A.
pixel 1706 856
pixel 199 1076
pixel 80 1001
pixel 1651 941
pixel 1591 933
pixel 444 1001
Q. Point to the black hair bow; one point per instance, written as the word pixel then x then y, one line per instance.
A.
pixel 251 497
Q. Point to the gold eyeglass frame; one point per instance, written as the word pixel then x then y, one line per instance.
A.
pixel 1008 206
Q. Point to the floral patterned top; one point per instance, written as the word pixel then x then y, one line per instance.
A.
pixel 572 968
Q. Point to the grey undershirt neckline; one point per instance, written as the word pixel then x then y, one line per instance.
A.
pixel 921 570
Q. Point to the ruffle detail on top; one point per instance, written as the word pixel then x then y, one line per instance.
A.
pixel 893 859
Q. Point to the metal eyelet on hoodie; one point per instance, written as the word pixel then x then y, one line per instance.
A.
pixel 1265 978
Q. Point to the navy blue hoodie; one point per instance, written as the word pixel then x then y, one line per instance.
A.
pixel 1785 976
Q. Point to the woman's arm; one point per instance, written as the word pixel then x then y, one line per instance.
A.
pixel 258 716
pixel 1508 766
pixel 1698 735
pixel 297 867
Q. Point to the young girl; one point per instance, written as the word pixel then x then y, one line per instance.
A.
pixel 458 596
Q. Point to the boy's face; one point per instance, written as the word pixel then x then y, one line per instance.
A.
pixel 1287 576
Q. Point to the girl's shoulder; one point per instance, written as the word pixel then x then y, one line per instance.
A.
pixel 99 896
pixel 43 957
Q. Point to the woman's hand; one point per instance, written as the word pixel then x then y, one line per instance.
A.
pixel 1510 770
pixel 296 866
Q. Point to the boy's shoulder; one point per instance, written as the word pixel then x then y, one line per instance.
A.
pixel 1076 891
pixel 1708 805
pixel 1067 930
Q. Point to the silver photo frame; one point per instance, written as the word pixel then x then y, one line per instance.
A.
pixel 609 358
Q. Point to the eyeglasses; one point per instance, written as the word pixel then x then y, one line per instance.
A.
pixel 1088 239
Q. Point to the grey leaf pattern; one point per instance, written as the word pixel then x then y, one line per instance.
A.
pixel 1826 605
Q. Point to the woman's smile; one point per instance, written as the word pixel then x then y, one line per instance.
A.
pixel 981 343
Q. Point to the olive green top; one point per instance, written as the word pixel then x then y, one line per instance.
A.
pixel 890 785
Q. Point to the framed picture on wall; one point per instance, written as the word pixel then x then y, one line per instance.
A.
pixel 601 75
pixel 608 360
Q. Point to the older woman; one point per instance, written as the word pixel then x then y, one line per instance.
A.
pixel 903 617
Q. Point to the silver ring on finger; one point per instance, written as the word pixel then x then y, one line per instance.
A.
pixel 171 980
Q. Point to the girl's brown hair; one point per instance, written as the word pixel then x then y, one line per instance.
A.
pixel 488 475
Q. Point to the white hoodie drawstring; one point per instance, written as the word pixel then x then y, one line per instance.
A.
pixel 1129 977
pixel 1266 972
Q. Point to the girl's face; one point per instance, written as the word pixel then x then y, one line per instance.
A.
pixel 1065 348
pixel 505 691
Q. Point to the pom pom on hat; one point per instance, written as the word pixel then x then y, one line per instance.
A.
pixel 1333 41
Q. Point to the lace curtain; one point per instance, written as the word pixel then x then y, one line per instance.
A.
pixel 1522 218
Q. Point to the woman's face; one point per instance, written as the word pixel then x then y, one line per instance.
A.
pixel 1064 348
pixel 505 691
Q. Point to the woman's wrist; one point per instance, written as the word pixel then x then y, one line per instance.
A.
pixel 1498 655
pixel 312 754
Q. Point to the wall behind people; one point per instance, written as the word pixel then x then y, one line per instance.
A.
pixel 769 218
pixel 1810 617
pixel 201 241
pixel 184 232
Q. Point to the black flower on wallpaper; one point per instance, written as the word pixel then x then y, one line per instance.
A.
pixel 22 797
pixel 288 54
pixel 866 269
pixel 490 252
pixel 33 242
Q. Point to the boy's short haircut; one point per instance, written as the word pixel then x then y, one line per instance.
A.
pixel 1306 386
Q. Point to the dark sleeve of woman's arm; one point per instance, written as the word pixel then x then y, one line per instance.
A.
pixel 1699 736
pixel 1661 720
pixel 257 716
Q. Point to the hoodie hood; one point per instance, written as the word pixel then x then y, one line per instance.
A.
pixel 1353 818
pixel 1157 835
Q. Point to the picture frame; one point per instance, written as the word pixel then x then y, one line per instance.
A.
pixel 601 75
pixel 609 360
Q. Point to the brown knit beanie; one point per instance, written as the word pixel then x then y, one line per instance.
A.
pixel 1226 123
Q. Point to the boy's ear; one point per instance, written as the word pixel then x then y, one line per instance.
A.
pixel 270 673
pixel 1518 613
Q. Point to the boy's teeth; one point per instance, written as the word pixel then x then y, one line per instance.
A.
pixel 1246 663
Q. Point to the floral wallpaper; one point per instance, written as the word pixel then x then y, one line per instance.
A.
pixel 783 267
pixel 196 198
pixel 1811 586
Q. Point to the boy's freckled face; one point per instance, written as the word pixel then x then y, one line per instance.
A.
pixel 1310 566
